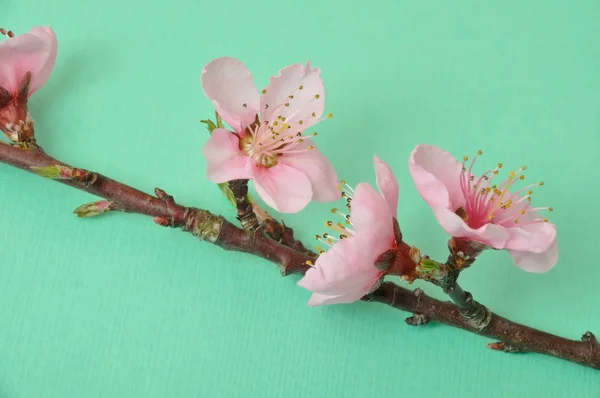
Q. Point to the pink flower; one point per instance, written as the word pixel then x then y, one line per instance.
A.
pixel 470 207
pixel 347 271
pixel 268 144
pixel 26 61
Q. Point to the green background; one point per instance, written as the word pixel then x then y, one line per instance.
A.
pixel 118 307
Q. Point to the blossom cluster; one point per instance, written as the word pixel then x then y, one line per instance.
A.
pixel 270 140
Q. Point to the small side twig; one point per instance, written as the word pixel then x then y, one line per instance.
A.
pixel 245 212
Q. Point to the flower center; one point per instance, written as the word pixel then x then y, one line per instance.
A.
pixel 267 140
pixel 486 203
pixel 262 158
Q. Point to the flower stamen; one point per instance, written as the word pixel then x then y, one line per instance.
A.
pixel 7 33
pixel 486 203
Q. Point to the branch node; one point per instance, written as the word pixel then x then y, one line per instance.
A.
pixel 60 172
pixel 165 197
pixel 203 224
pixel 589 337
pixel 417 320
pixel 505 347
pixel 163 221
pixel 478 316
pixel 93 209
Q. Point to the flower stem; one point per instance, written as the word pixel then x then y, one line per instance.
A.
pixel 474 312
pixel 245 212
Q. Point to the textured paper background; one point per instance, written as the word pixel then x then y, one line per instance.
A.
pixel 117 307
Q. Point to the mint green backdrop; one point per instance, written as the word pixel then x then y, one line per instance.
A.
pixel 118 307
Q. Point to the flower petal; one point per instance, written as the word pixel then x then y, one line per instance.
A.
pixel 296 94
pixel 534 238
pixel 436 175
pixel 230 87
pixel 318 299
pixel 33 52
pixel 387 184
pixel 491 234
pixel 317 168
pixel 282 187
pixel 372 220
pixel 536 262
pixel 224 160
pixel 343 269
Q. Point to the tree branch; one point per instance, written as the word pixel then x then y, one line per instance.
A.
pixel 215 229
pixel 518 337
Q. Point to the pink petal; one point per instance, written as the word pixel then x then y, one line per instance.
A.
pixel 536 262
pixel 372 220
pixel 306 88
pixel 224 160
pixel 491 234
pixel 318 299
pixel 230 87
pixel 534 238
pixel 283 188
pixel 436 175
pixel 343 269
pixel 317 168
pixel 387 184
pixel 33 52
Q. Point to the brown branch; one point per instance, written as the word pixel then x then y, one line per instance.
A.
pixel 215 229
pixel 516 336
